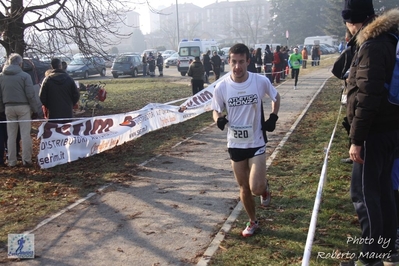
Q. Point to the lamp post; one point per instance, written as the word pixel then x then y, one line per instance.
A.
pixel 177 23
pixel 287 35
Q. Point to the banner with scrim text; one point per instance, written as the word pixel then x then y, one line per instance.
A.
pixel 63 143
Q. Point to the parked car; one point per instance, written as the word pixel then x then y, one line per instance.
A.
pixel 127 65
pixel 171 60
pixel 226 54
pixel 153 51
pixel 332 49
pixel 167 53
pixel 83 67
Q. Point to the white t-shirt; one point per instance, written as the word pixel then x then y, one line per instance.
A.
pixel 242 102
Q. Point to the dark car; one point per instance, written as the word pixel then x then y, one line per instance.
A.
pixel 83 67
pixel 127 65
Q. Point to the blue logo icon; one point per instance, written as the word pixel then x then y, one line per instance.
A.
pixel 21 246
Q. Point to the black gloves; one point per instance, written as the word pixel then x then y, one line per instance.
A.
pixel 222 121
pixel 34 116
pixel 270 124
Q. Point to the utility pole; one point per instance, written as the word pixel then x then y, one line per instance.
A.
pixel 177 23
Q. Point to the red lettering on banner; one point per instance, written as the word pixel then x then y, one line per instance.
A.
pixel 97 127
pixel 200 99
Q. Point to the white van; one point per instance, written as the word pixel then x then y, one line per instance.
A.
pixel 189 49
pixel 314 40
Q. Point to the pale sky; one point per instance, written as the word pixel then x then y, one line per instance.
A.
pixel 143 9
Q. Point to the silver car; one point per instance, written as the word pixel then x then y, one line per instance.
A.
pixel 171 60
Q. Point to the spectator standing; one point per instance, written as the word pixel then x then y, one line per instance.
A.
pixel 258 60
pixel 3 139
pixel 196 71
pixel 206 61
pixel 268 62
pixel 276 65
pixel 151 64
pixel 315 52
pixel 246 141
pixel 59 93
pixel 304 56
pixel 144 61
pixel 160 64
pixel 284 59
pixel 374 127
pixel 216 63
pixel 295 62
pixel 251 67
pixel 18 102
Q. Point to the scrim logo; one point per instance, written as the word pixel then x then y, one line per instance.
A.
pixel 21 246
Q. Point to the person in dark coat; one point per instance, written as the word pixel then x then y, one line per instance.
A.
pixel 315 53
pixel 268 62
pixel 206 58
pixel 216 62
pixel 144 61
pixel 196 71
pixel 251 67
pixel 374 128
pixel 258 60
pixel 284 61
pixel 160 64
pixel 59 93
pixel 151 64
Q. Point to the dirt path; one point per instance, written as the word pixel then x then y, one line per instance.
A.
pixel 172 211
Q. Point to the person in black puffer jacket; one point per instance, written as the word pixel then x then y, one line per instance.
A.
pixel 374 126
pixel 196 71
pixel 59 93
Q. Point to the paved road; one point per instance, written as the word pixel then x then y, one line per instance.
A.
pixel 170 213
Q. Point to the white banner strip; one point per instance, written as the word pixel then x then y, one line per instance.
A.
pixel 63 143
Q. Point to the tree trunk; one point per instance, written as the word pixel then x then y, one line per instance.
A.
pixel 14 30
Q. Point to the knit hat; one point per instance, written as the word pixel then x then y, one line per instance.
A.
pixel 357 11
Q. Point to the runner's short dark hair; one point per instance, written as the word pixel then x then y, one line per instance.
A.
pixel 239 48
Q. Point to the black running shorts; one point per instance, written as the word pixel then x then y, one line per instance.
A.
pixel 237 154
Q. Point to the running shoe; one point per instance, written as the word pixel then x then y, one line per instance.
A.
pixel 266 197
pixel 250 229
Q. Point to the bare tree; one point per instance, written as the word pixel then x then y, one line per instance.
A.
pixel 247 23
pixel 169 31
pixel 55 26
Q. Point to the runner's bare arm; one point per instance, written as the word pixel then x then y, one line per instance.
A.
pixel 276 104
pixel 216 115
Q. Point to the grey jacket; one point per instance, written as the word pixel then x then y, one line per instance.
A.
pixel 16 88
